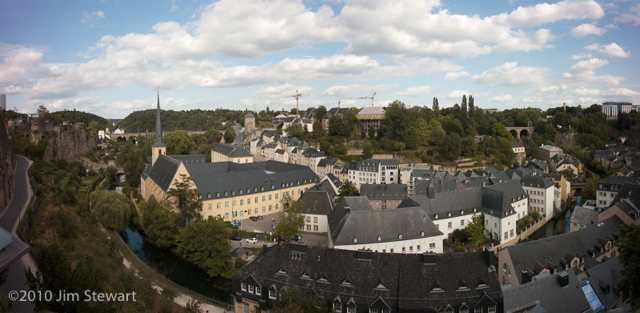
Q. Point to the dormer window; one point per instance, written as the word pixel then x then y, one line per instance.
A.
pixel 208 195
pixel 421 234
pixel 379 238
pixel 436 217
pixel 251 289
pixel 400 236
pixel 355 240
pixel 305 276
pixel 226 193
pixel 346 283
pixel 243 286
pixel 272 294
pixel 323 279
pixel 258 290
pixel 461 212
pixel 381 286
pixel 449 214
pixel 281 272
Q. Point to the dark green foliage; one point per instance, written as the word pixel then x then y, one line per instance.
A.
pixel 180 120
pixel 590 187
pixel 204 243
pixel 81 117
pixel 475 229
pixel 178 142
pixel 186 198
pixel 291 218
pixel 111 208
pixel 629 243
pixel 161 224
pixel 348 189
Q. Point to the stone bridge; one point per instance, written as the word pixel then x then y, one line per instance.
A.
pixel 152 134
pixel 519 132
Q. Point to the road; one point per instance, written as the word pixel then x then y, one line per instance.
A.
pixel 16 279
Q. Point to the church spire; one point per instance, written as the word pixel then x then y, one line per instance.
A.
pixel 158 124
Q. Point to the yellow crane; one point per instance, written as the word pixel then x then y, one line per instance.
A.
pixel 297 96
pixel 372 97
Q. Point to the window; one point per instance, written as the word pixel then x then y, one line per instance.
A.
pixel 337 307
pixel 450 226
pixel 256 200
pixel 270 208
pixel 506 235
pixel 437 227
pixel 351 309
pixel 255 211
pixel 241 202
pixel 315 227
pixel 432 245
pixel 404 249
pixel 418 248
pixel 249 201
pixel 226 204
pixel 276 196
pixel 308 219
pixel 243 286
pixel 462 223
pixel 218 206
pixel 251 290
pixel 264 198
pixel 309 227
pixel 391 250
pixel 269 197
pixel 264 209
pixel 511 233
pixel 277 207
pixel 209 206
pixel 492 308
pixel 272 294
pixel 410 248
pixel 315 219
pixel 245 308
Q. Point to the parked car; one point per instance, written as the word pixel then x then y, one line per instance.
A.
pixel 297 238
pixel 235 238
pixel 254 218
pixel 252 240
pixel 260 217
pixel 236 223
pixel 283 240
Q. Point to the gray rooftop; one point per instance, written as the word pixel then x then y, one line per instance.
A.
pixel 497 199
pixel 317 202
pixel 584 216
pixel 231 150
pixel 384 191
pixel 536 181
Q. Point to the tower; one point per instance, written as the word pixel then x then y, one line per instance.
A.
pixel 158 147
pixel 3 102
pixel 249 125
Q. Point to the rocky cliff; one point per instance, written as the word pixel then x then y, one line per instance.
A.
pixel 7 163
pixel 67 142
pixel 565 138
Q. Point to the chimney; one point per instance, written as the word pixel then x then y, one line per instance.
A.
pixel 563 279
pixel 489 257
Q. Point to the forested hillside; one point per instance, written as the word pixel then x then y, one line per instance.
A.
pixel 81 117
pixel 180 120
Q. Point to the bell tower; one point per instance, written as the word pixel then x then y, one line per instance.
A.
pixel 158 147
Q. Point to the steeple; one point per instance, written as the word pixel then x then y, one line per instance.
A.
pixel 158 147
pixel 158 125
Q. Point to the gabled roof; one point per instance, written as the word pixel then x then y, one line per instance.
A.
pixel 547 293
pixel 535 181
pixel 497 199
pixel 584 216
pixel 189 158
pixel 317 202
pixel 231 150
pixel 407 277
pixel 604 278
pixel 456 203
pixel 164 170
pixel 384 191
pixel 561 248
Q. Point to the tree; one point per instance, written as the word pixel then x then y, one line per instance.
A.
pixel 569 174
pixel 629 243
pixel 179 142
pixel 318 131
pixel 204 243
pixel 321 112
pixel 590 188
pixel 110 173
pixel 348 189
pixel 291 300
pixel 475 229
pixel 436 107
pixel 186 198
pixel 161 224
pixel 291 217
pixel 295 130
pixel 229 135
pixel 111 208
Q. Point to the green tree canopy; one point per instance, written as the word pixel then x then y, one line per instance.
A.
pixel 179 142
pixel 161 224
pixel 111 208
pixel 291 217
pixel 590 188
pixel 291 300
pixel 186 198
pixel 629 243
pixel 204 242
pixel 348 189
pixel 475 229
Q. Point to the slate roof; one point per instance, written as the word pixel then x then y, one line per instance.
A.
pixel 324 185
pixel 405 282
pixel 614 183
pixel 146 172
pixel 249 115
pixel 497 199
pixel 325 162
pixel 163 171
pixel 189 158
pixel 536 181
pixel 584 216
pixel 352 218
pixel 372 165
pixel 604 278
pixel 552 176
pixel 550 148
pixel 547 293
pixel 280 151
pixel 456 203
pixel 422 186
pixel 312 153
pixel 235 179
pixel 516 144
pixel 231 150
pixel 336 182
pixel 557 250
pixel 317 202
pixel 384 191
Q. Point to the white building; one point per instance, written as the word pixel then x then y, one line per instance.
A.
pixel 608 189
pixel 541 192
pixel 372 171
pixel 317 206
pixel 613 109
pixel 354 225
pixel 503 204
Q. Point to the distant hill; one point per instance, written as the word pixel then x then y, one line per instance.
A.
pixel 81 117
pixel 180 120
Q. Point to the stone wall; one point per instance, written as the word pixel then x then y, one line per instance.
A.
pixel 566 138
pixel 68 142
pixel 7 163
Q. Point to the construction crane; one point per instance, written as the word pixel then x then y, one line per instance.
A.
pixel 297 96
pixel 371 97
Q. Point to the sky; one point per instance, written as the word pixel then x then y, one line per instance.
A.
pixel 110 57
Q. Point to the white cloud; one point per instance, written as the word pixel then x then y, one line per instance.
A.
pixel 513 75
pixel 355 90
pixel 523 41
pixel 457 94
pixel 586 92
pixel 533 100
pixel 95 15
pixel 282 91
pixel 502 98
pixel 548 13
pixel 632 17
pixel 581 56
pixel 412 91
pixel 586 30
pixel 456 75
pixel 583 74
pixel 610 50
